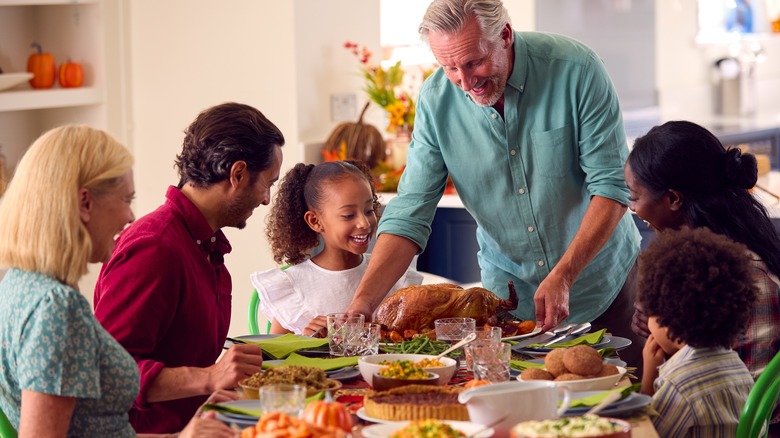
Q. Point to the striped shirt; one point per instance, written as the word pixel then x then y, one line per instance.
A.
pixel 700 392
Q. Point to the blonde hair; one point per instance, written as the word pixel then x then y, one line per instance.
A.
pixel 40 225
pixel 449 16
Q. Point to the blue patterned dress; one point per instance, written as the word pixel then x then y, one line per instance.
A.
pixel 52 344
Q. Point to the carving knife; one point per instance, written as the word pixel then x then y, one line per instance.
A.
pixel 539 339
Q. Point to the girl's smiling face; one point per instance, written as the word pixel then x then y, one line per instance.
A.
pixel 346 219
pixel 658 212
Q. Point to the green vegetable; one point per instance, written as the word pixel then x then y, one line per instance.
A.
pixel 420 345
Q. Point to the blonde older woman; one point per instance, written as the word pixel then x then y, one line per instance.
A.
pixel 61 373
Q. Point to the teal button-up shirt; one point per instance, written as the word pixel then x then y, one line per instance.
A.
pixel 526 178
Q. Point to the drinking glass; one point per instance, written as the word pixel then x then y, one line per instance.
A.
pixel 452 330
pixel 337 323
pixel 361 339
pixel 283 397
pixel 491 361
pixel 485 335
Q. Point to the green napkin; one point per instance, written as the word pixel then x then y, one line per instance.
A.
pixel 593 400
pixel 232 409
pixel 281 346
pixel 589 339
pixel 319 362
pixel 522 365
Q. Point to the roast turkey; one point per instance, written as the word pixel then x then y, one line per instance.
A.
pixel 417 307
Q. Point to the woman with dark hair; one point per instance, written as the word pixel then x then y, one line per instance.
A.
pixel 680 175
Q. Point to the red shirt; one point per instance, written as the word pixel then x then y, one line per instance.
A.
pixel 165 295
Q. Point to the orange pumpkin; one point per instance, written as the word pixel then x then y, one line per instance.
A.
pixel 71 75
pixel 328 414
pixel 42 66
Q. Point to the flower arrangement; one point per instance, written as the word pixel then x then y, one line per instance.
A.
pixel 383 87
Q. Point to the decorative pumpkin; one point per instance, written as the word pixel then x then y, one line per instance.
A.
pixel 328 414
pixel 42 66
pixel 71 75
pixel 362 141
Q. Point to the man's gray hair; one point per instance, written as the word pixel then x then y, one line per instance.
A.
pixel 449 16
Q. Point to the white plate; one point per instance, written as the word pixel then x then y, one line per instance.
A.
pixel 535 331
pixel 385 430
pixel 8 80
pixel 241 422
pixel 361 413
pixel 613 361
pixel 582 409
pixel 227 417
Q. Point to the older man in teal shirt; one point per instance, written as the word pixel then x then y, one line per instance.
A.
pixel 529 127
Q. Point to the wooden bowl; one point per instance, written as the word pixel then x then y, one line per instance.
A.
pixel 382 383
pixel 253 392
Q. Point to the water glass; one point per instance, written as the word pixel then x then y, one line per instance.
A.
pixel 485 335
pixel 453 330
pixel 361 339
pixel 285 398
pixel 491 361
pixel 337 323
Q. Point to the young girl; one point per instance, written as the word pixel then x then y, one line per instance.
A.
pixel 335 202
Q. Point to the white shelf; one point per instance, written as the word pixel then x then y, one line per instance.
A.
pixel 44 2
pixel 52 98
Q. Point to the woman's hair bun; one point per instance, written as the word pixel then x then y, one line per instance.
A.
pixel 741 169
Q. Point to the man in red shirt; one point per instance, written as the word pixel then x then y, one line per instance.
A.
pixel 165 295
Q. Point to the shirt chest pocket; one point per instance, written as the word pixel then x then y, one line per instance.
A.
pixel 553 151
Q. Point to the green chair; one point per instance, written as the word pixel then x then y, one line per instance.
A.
pixel 254 306
pixel 754 421
pixel 6 428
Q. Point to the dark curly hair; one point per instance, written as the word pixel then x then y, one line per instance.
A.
pixel 222 135
pixel 713 181
pixel 698 284
pixel 304 188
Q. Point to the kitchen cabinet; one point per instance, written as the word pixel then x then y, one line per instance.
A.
pixel 84 31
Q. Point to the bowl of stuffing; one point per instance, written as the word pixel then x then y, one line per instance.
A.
pixel 313 378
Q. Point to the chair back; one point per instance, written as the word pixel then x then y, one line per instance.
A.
pixel 7 429
pixel 754 421
pixel 254 306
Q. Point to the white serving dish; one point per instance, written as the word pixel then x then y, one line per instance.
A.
pixel 595 384
pixel 368 365
pixel 9 80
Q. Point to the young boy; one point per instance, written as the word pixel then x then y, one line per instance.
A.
pixel 696 287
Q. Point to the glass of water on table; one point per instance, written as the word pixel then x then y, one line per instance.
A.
pixel 452 330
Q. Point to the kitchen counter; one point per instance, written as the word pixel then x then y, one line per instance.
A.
pixel 452 247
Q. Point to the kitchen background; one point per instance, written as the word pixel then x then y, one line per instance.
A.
pixel 151 66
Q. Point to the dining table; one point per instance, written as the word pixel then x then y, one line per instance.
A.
pixel 352 391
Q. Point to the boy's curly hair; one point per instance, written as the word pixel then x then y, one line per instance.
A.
pixel 698 284
pixel 304 188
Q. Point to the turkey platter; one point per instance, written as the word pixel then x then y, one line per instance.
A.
pixel 413 309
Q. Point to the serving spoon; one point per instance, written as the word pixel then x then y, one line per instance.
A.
pixel 462 342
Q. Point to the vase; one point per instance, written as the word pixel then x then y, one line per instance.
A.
pixel 399 146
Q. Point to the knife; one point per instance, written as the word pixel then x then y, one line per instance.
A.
pixel 582 328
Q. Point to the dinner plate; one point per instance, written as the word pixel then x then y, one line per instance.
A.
pixel 385 430
pixel 361 413
pixel 238 419
pixel 253 338
pixel 535 331
pixel 632 403
pixel 615 342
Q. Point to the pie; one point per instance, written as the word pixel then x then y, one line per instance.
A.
pixel 416 402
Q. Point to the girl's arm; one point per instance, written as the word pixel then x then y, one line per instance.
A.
pixel 277 328
pixel 317 327
pixel 45 415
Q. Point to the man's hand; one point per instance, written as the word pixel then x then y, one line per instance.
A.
pixel 206 425
pixel 639 321
pixel 552 302
pixel 238 363
pixel 361 307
